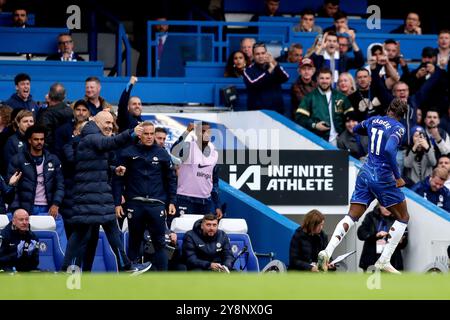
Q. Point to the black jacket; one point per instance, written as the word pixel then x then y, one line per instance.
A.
pixel 305 248
pixel 92 194
pixel 52 118
pixel 199 250
pixel 152 167
pixel 367 232
pixel 124 119
pixel 264 88
pixel 10 238
pixel 15 144
pixel 26 188
pixel 6 194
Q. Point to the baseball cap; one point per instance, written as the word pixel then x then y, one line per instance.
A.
pixel 351 116
pixel 429 52
pixel 305 62
pixel 417 128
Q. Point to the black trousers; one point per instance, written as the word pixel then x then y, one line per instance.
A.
pixel 146 216
pixel 88 260
pixel 80 238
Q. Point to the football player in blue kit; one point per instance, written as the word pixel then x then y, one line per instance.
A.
pixel 379 178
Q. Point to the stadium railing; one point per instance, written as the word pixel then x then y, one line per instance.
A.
pixel 56 69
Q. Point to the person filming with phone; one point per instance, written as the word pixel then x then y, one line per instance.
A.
pixel 323 110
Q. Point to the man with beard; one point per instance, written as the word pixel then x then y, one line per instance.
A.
pixel 205 247
pixel 323 110
pixel 129 110
pixel 41 188
pixel 439 139
pixel 364 101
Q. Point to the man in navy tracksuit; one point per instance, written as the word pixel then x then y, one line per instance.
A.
pixel 148 184
pixel 205 247
pixel 433 189
pixel 263 80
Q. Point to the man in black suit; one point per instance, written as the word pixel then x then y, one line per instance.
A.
pixel 65 49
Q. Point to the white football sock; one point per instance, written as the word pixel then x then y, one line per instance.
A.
pixel 396 232
pixel 339 234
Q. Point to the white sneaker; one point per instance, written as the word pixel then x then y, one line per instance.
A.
pixel 386 267
pixel 322 261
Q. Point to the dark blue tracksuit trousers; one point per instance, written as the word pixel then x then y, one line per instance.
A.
pixel 141 216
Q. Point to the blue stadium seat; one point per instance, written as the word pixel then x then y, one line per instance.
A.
pixel 105 259
pixel 236 230
pixel 248 260
pixel 51 255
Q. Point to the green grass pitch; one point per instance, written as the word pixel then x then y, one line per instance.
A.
pixel 217 286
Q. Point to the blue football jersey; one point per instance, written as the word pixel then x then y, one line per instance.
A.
pixel 379 130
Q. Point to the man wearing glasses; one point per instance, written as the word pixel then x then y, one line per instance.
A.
pixel 65 49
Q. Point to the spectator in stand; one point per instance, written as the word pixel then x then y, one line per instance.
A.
pixel 346 84
pixel 355 143
pixel 374 232
pixel 401 90
pixel 270 10
pixel 40 190
pixel 198 175
pixel 439 139
pixel 19 246
pixel 344 44
pixel 247 47
pixel 92 96
pixel 17 142
pixel 328 9
pixel 411 26
pixel 392 49
pixel 340 26
pixel 205 247
pixel 129 110
pixel 55 115
pixel 307 22
pixel 23 99
pixel 294 54
pixel 65 49
pixel 445 121
pixel 419 115
pixel 304 83
pixel 236 63
pixel 444 162
pixel 327 55
pixel 6 131
pixel 420 157
pixel 263 81
pixel 323 110
pixel 306 243
pixel 433 188
pixel 443 49
pixel 439 97
pixel 20 17
pixel 364 100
